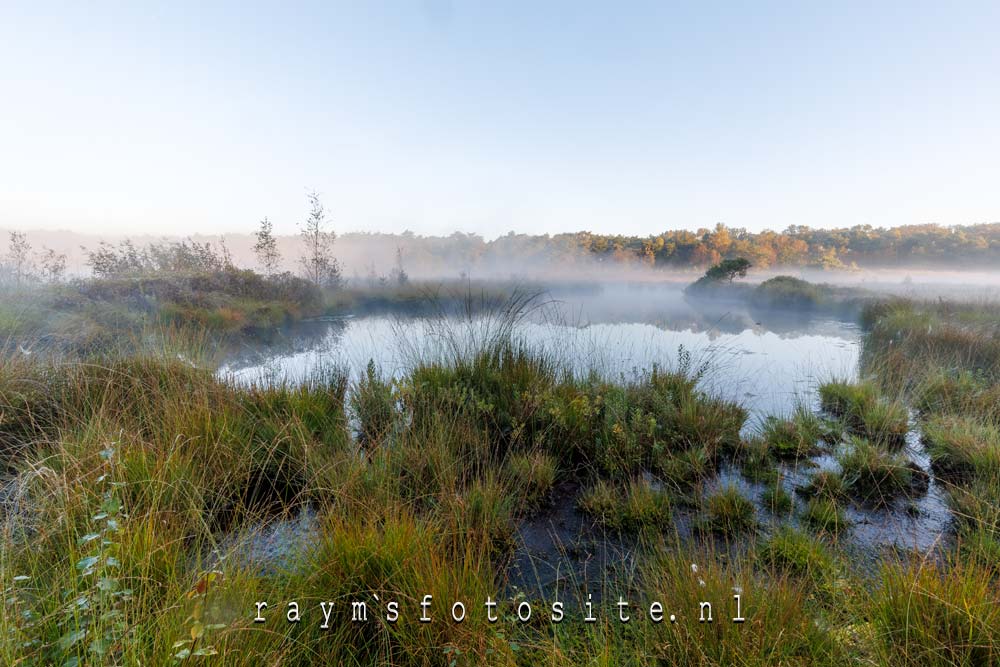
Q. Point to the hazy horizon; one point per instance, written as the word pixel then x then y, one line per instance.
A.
pixel 437 116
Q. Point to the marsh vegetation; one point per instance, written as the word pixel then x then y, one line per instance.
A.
pixel 858 518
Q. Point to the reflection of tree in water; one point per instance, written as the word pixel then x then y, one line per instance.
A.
pixel 321 334
pixel 735 318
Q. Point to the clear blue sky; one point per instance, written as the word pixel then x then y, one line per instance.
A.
pixel 436 116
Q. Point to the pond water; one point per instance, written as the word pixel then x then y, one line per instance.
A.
pixel 767 361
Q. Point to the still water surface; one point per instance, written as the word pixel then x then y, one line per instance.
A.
pixel 765 361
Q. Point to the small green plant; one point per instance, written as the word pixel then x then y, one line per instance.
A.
pixel 94 621
pixel 197 645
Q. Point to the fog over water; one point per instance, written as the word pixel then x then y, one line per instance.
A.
pixel 767 362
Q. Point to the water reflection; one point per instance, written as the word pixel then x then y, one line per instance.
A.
pixel 766 361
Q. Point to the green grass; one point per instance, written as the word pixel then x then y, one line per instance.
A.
pixel 937 615
pixel 797 552
pixel 796 437
pixel 783 631
pixel 847 399
pixel 728 512
pixel 532 475
pixel 631 507
pixel 777 500
pixel 825 484
pixel 686 468
pixel 866 412
pixel 873 475
pixel 962 446
pixel 825 514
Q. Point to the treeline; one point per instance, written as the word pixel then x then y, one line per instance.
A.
pixel 858 246
pixel 373 259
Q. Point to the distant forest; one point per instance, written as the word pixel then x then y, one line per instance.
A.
pixel 861 246
pixel 373 258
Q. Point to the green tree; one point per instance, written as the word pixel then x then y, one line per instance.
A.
pixel 318 262
pixel 266 248
pixel 729 269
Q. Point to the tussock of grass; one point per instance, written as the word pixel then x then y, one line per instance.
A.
pixel 872 474
pixel 797 552
pixel 846 399
pixel 532 475
pixel 946 391
pixel 728 512
pixel 865 412
pixel 825 484
pixel 777 500
pixel 754 457
pixel 659 414
pixel 782 632
pixel 686 468
pixel 633 507
pixel 794 438
pixel 825 514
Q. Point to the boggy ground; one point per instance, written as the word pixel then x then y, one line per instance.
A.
pixel 133 475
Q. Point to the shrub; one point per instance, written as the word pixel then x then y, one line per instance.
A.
pixel 789 292
pixel 374 405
